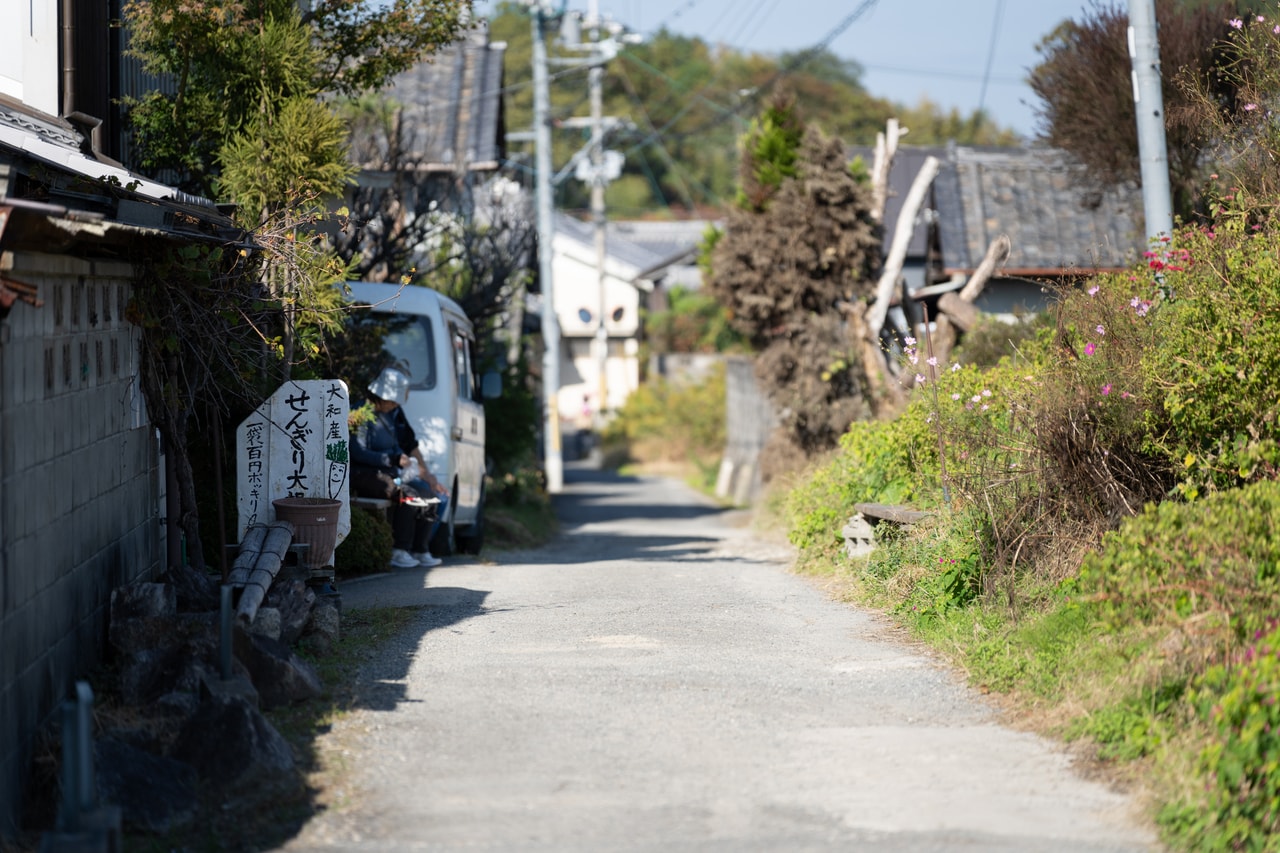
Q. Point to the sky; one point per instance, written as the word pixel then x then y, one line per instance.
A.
pixel 938 49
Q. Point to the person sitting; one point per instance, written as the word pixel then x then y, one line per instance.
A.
pixel 383 452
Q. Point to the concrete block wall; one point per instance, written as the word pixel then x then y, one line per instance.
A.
pixel 80 491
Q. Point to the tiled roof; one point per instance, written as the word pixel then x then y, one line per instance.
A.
pixel 632 254
pixel 1040 198
pixel 1037 196
pixel 666 239
pixel 452 103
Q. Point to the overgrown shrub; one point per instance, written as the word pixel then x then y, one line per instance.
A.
pixel 1210 565
pixel 367 548
pixel 1214 367
pixel 673 421
pixel 1241 763
pixel 992 339
pixel 1092 413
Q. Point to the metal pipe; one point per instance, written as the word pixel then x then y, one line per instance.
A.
pixel 1148 106
pixel 554 461
pixel 224 633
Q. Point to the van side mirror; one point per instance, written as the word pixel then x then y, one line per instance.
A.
pixel 491 385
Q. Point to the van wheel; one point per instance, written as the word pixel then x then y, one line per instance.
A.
pixel 444 544
pixel 473 540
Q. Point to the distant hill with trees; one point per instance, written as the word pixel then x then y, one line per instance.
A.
pixel 689 102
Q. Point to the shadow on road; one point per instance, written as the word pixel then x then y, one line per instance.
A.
pixel 593 510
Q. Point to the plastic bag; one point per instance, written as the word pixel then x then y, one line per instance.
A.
pixel 410 472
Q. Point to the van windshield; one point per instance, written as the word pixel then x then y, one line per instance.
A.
pixel 409 343
pixel 374 340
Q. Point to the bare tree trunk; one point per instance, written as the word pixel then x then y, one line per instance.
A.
pixel 898 248
pixel 886 148
pixel 997 253
pixel 882 393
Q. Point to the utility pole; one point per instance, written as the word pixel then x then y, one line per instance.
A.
pixel 554 459
pixel 1148 102
pixel 596 83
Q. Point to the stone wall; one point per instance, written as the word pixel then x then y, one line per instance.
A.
pixel 80 490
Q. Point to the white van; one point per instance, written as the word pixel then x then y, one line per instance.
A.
pixel 432 340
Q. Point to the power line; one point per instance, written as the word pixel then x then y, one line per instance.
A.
pixel 991 53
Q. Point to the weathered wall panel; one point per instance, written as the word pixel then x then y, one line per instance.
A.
pixel 79 491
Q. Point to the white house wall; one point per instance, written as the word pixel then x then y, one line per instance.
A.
pixel 80 489
pixel 29 53
pixel 576 286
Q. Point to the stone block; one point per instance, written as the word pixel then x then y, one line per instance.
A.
pixel 280 676
pixel 231 744
pixel 155 794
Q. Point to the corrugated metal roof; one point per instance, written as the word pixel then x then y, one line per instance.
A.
pixel 453 118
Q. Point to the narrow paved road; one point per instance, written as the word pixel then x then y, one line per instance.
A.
pixel 656 680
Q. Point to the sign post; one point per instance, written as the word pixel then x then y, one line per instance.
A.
pixel 295 445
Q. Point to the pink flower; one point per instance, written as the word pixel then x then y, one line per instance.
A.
pixel 955 367
pixel 919 379
pixel 1125 395
pixel 1276 29
pixel 985 407
pixel 955 396
pixel 1089 349
pixel 986 392
pixel 1250 107
pixel 1106 389
pixel 1098 328
pixel 932 361
pixel 1236 23
pixel 1093 291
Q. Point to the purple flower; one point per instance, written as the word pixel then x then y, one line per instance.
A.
pixel 955 367
pixel 1089 349
pixel 1106 389
pixel 1098 328
pixel 919 379
pixel 932 361
pixel 909 341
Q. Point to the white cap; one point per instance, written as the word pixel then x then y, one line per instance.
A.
pixel 391 385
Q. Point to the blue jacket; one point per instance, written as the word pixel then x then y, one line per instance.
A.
pixel 380 444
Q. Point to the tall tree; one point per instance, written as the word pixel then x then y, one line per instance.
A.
pixel 783 267
pixel 1084 85
pixel 247 121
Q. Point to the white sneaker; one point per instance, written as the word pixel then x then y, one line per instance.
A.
pixel 400 559
pixel 424 558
